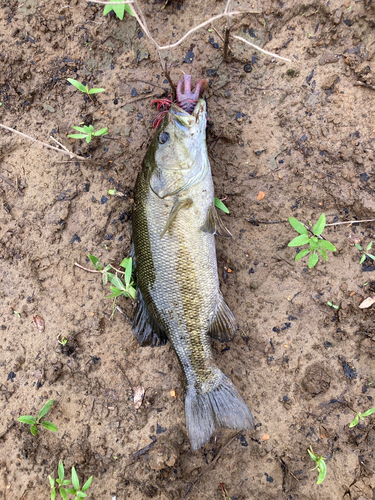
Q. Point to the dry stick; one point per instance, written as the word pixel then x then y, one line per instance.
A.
pixel 260 50
pixel 212 463
pixel 64 152
pixel 350 222
pixel 11 184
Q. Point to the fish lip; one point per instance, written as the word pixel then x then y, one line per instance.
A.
pixel 185 119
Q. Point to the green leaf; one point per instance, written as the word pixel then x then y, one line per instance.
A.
pixel 327 245
pixel 34 430
pixel 314 243
pixel 312 456
pixel 129 10
pixel 77 85
pixel 369 246
pixel 131 292
pixel 50 426
pixel 75 479
pixel 46 408
pixel 219 204
pixel 27 419
pixel 63 494
pixel 96 91
pixel 115 292
pixel 368 412
pixel 77 136
pixel 81 495
pixel 80 129
pixel 51 481
pixel 112 192
pixel 53 494
pixel 302 254
pixel 107 9
pixel 115 280
pixel 127 264
pixel 358 246
pixel 362 258
pixel 61 470
pixel 313 260
pixel 371 256
pixel 299 240
pixel 320 225
pixel 323 254
pixel 88 139
pixel 322 472
pixel 298 226
pixel 354 422
pixel 102 131
pixel 72 491
pixel 95 262
pixel 87 484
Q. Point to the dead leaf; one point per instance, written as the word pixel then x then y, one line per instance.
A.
pixel 173 394
pixel 39 323
pixel 261 195
pixel 139 392
pixel 353 238
pixel 367 302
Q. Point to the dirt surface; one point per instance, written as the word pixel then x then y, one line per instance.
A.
pixel 300 132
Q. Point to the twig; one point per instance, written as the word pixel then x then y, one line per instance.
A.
pixel 350 222
pixel 255 221
pixel 260 50
pixel 211 463
pixel 144 450
pixel 280 258
pixel 361 84
pixel 123 313
pixel 287 468
pixel 138 99
pixel 86 269
pixel 11 184
pixel 63 151
pixel 149 83
pixel 198 490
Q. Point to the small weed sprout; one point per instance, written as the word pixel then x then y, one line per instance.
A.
pixel 220 204
pixel 119 287
pixel 320 465
pixel 87 132
pixel 119 10
pixel 365 252
pixel 79 493
pixel 34 422
pixel 359 416
pixel 84 88
pixel 317 244
pixel 332 305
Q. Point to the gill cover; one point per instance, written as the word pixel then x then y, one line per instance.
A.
pixel 180 154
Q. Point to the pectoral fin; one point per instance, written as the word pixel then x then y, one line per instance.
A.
pixel 214 224
pixel 224 326
pixel 187 203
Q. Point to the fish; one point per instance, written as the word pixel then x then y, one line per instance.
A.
pixel 174 223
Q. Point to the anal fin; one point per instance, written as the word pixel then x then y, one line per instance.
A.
pixel 187 203
pixel 214 224
pixel 224 325
pixel 145 328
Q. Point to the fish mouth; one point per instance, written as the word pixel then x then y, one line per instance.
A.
pixel 185 120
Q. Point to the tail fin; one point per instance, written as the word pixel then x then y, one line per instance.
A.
pixel 221 406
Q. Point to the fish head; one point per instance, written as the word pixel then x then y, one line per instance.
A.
pixel 177 158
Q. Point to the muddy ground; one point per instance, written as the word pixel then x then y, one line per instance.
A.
pixel 303 133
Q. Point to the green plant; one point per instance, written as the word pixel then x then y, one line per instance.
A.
pixel 359 416
pixel 332 305
pixel 118 9
pixel 317 244
pixel 79 493
pixel 364 252
pixel 320 465
pixel 119 287
pixel 34 422
pixel 87 132
pixel 84 88
pixel 220 204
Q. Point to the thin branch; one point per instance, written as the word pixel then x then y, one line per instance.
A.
pixel 66 152
pixel 350 222
pixel 11 184
pixel 260 50
pixel 86 269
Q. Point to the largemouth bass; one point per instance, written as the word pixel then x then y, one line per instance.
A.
pixel 178 295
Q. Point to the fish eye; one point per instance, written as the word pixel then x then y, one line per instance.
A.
pixel 163 137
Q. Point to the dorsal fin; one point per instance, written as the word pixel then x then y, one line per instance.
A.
pixel 214 224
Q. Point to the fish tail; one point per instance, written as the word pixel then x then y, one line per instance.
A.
pixel 220 406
